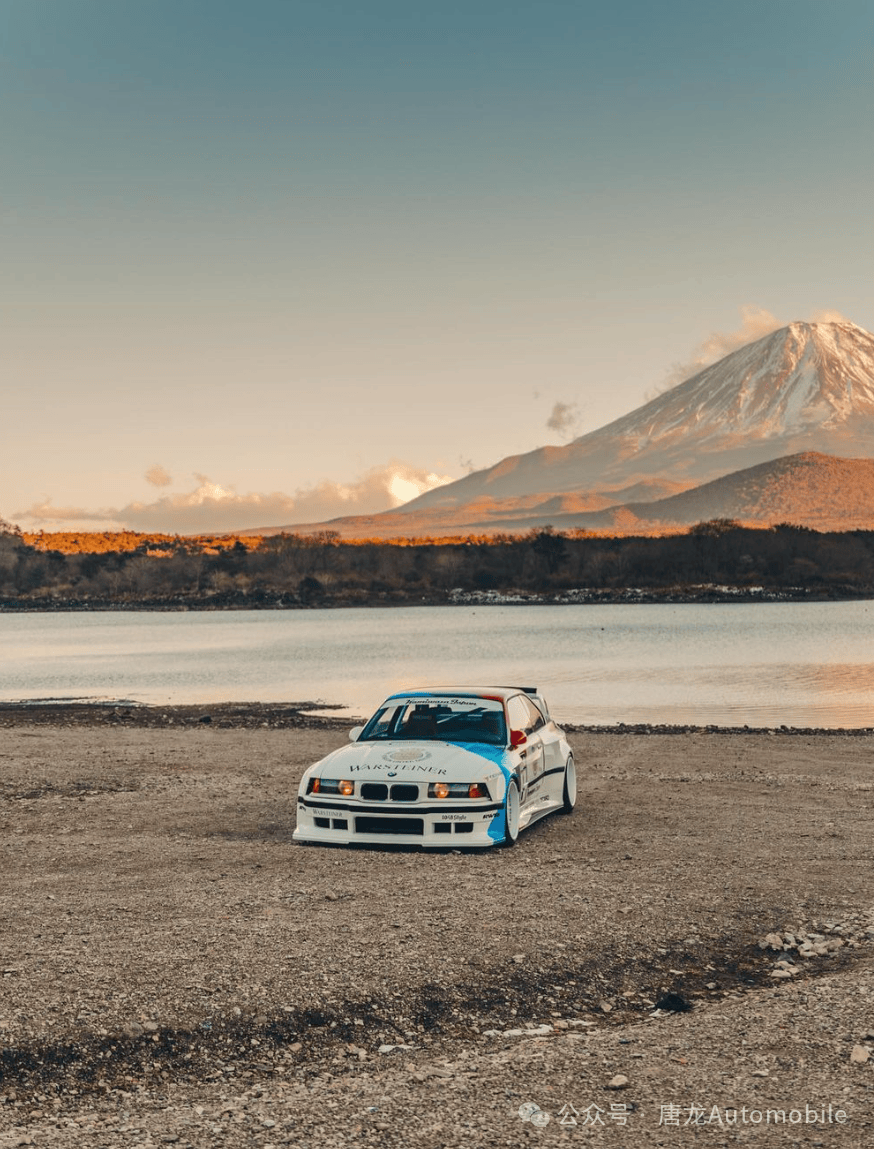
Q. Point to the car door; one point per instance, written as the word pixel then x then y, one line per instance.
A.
pixel 553 754
pixel 536 760
pixel 530 752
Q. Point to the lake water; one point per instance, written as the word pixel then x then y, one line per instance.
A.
pixel 757 664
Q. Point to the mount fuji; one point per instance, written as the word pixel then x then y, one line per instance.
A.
pixel 803 394
pixel 806 387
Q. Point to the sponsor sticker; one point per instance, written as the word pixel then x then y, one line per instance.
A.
pixel 375 767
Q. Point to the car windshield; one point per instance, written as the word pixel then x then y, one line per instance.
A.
pixel 438 720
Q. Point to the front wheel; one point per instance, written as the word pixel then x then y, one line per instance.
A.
pixel 511 814
pixel 569 791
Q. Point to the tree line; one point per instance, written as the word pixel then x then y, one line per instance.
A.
pixel 322 569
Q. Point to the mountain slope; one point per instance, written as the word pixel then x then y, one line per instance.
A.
pixel 809 489
pixel 806 387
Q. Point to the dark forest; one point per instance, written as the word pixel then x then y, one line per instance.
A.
pixel 718 559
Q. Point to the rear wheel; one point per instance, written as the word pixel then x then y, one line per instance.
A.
pixel 511 814
pixel 569 792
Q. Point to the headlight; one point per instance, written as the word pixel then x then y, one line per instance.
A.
pixel 330 786
pixel 458 790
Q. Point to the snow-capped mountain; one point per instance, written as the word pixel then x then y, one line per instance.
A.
pixel 803 395
pixel 806 387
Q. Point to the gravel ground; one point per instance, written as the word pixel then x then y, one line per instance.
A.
pixel 687 957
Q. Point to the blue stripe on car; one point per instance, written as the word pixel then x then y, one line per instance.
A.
pixel 497 754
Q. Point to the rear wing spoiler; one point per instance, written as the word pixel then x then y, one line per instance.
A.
pixel 535 694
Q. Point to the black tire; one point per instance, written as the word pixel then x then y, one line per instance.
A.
pixel 511 815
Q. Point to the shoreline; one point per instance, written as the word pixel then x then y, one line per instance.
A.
pixel 575 596
pixel 299 715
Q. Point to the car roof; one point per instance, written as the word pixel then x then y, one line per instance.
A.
pixel 501 692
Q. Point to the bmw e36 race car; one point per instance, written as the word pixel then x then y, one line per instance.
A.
pixel 449 766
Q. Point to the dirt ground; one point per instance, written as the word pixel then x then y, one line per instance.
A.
pixel 174 969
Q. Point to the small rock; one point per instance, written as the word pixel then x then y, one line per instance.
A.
pixel 133 1029
pixel 518 958
pixel 771 942
pixel 760 1073
pixel 620 1081
pixel 606 1007
pixel 860 1054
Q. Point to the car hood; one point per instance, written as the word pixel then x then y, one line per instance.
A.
pixel 414 761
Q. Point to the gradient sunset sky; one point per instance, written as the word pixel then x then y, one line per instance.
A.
pixel 275 261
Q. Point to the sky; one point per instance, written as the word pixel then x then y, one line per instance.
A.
pixel 274 262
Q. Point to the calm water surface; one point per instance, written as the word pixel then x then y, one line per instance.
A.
pixel 760 664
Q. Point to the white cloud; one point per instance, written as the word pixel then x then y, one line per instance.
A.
pixel 829 315
pixel 756 322
pixel 210 507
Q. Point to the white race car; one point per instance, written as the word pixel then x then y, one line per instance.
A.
pixel 463 766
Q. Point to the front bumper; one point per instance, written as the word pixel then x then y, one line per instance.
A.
pixel 415 824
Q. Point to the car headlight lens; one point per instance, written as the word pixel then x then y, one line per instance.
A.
pixel 331 786
pixel 458 790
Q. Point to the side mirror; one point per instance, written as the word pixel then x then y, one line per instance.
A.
pixel 517 738
pixel 355 733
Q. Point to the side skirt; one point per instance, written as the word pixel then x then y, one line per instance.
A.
pixel 537 811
